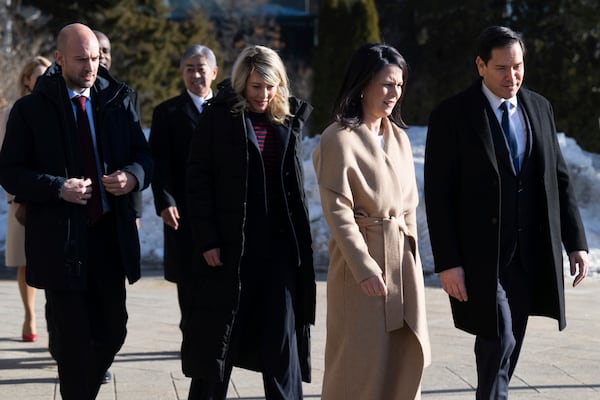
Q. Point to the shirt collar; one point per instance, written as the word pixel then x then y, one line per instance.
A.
pixel 86 93
pixel 199 99
pixel 494 100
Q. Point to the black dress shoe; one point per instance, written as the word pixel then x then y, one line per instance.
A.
pixel 107 377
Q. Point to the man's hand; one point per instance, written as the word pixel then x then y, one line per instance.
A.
pixel 119 183
pixel 213 257
pixel 578 258
pixel 453 282
pixel 374 286
pixel 77 190
pixel 170 216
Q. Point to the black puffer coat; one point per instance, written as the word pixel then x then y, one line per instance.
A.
pixel 217 198
pixel 40 153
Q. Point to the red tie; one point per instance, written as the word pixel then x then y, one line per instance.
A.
pixel 94 204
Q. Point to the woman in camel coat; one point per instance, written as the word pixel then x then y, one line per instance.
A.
pixel 377 338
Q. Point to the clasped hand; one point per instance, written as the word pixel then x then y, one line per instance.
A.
pixel 119 183
pixel 76 190
pixel 79 190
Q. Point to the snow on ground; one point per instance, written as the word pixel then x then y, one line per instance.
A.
pixel 584 166
pixel 585 173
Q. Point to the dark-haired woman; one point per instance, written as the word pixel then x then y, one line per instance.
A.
pixel 377 337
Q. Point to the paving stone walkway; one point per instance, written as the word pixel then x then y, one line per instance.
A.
pixel 554 365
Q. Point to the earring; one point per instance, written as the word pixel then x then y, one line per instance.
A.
pixel 362 95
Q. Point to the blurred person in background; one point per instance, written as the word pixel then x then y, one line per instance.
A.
pixel 15 218
pixel 106 62
pixel 174 122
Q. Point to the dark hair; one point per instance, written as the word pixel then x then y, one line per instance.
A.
pixel 366 62
pixel 494 37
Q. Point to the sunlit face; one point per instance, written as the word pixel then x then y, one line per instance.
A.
pixel 258 93
pixel 503 73
pixel 198 75
pixel 36 73
pixel 105 56
pixel 79 60
pixel 382 93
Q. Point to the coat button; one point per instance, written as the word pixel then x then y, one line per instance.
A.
pixel 494 220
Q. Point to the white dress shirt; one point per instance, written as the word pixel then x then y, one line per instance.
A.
pixel 517 119
pixel 198 100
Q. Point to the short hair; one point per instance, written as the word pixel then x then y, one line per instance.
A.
pixel 494 37
pixel 27 71
pixel 267 63
pixel 100 34
pixel 198 50
pixel 366 62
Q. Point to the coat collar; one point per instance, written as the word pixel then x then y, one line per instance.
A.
pixel 532 113
pixel 478 112
pixel 283 133
pixel 188 107
pixel 106 88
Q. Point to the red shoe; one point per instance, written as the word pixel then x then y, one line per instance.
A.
pixel 29 338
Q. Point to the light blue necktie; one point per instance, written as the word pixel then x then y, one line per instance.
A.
pixel 511 136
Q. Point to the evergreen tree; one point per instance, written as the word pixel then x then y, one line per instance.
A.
pixel 146 44
pixel 147 47
pixel 438 42
pixel 344 26
pixel 438 37
pixel 364 15
pixel 62 12
pixel 21 38
pixel 562 61
pixel 240 25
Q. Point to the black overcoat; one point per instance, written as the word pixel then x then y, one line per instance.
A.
pixel 173 123
pixel 462 196
pixel 217 193
pixel 40 152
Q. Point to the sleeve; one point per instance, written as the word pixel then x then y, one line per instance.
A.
pixel 141 165
pixel 440 185
pixel 572 230
pixel 333 169
pixel 16 174
pixel 3 118
pixel 162 185
pixel 201 185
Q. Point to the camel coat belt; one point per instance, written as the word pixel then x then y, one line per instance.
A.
pixel 395 235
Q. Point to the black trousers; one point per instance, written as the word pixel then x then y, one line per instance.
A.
pixel 264 332
pixel 87 328
pixel 497 357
